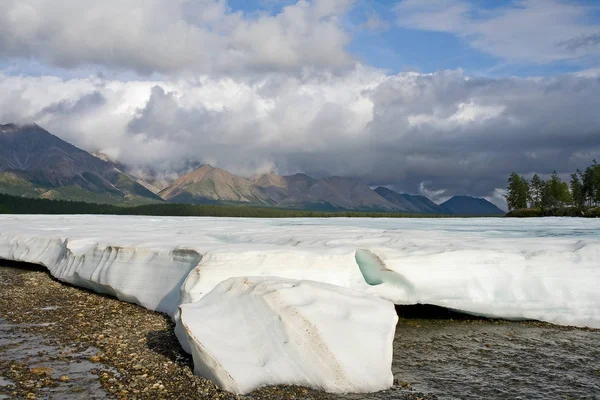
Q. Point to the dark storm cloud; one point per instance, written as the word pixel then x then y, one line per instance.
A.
pixel 440 134
pixel 531 125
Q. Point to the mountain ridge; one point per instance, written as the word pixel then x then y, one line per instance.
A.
pixel 469 205
pixel 410 202
pixel 35 163
pixel 208 183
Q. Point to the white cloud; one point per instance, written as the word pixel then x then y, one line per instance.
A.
pixel 538 31
pixel 277 90
pixel 459 134
pixel 375 23
pixel 437 196
pixel 198 36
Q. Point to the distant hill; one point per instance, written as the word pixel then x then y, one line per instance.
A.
pixel 209 184
pixel 35 163
pixel 302 191
pixel 467 205
pixel 298 191
pixel 411 203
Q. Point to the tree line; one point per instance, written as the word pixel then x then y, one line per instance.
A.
pixel 23 205
pixel 580 194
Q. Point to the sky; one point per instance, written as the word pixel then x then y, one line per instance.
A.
pixel 432 97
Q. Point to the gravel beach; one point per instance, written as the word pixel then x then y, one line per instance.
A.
pixel 63 342
pixel 121 350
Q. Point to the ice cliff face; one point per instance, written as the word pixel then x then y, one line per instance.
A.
pixel 150 278
pixel 544 269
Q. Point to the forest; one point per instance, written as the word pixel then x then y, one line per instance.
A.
pixel 554 197
pixel 23 205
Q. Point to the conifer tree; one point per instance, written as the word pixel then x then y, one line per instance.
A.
pixel 518 192
pixel 577 190
pixel 537 189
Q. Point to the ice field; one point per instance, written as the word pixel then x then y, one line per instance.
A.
pixel 546 269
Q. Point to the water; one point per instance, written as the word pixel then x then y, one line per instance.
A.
pixel 483 359
pixel 19 346
pixel 475 359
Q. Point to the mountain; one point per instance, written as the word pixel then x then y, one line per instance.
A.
pixel 467 205
pixel 332 193
pixel 349 194
pixel 35 163
pixel 208 184
pixel 300 191
pixel 152 180
pixel 411 203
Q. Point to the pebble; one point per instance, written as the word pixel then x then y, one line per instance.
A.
pixel 138 345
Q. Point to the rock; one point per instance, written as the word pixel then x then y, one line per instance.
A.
pixel 251 332
pixel 41 371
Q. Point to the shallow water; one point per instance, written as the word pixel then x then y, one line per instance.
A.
pixel 483 359
pixel 17 345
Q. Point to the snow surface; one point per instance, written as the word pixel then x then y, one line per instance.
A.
pixel 546 269
pixel 271 331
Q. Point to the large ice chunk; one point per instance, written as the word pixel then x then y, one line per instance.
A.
pixel 256 331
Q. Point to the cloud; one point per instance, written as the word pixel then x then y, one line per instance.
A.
pixel 167 36
pixel 583 41
pixel 440 134
pixel 375 23
pixel 524 31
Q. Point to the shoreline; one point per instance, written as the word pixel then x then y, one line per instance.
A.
pixel 137 357
pixel 438 353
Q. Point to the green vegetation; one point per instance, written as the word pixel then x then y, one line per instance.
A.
pixel 14 185
pixel 562 212
pixel 20 205
pixel 554 197
pixel 136 190
pixel 518 192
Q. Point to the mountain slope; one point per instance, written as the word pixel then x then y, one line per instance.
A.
pixel 35 163
pixel 467 205
pixel 411 203
pixel 209 184
pixel 332 193
pixel 145 177
pixel 350 194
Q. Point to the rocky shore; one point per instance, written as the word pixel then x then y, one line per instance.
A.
pixel 131 352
